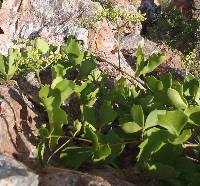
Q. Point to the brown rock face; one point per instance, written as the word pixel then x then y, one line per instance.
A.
pixel 102 40
pixel 51 176
pixel 18 121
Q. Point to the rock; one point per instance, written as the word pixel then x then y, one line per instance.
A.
pixel 51 176
pixel 52 20
pixel 149 6
pixel 112 175
pixel 150 47
pixel 103 45
pixel 130 43
pixel 197 5
pixel 19 121
pixel 14 173
pixel 5 44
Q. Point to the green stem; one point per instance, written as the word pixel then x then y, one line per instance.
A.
pixel 38 77
pixel 190 145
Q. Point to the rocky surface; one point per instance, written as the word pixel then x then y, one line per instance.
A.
pixel 14 173
pixel 19 121
pixel 52 20
pixel 51 176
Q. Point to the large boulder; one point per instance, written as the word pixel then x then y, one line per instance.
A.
pixel 14 173
pixel 52 20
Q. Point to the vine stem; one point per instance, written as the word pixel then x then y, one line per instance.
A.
pixel 190 145
pixel 135 81
pixel 62 146
pixel 58 149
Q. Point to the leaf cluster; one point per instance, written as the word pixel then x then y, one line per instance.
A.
pixel 162 121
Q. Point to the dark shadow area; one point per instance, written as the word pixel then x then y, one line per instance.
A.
pixel 1 2
pixel 1 31
pixel 24 124
pixel 170 26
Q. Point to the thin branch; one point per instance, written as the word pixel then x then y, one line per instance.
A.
pixel 135 81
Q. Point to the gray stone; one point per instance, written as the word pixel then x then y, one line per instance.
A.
pixel 52 20
pixel 131 42
pixel 14 173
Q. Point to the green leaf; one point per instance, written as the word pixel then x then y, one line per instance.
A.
pixel 101 153
pixel 51 100
pixel 74 157
pixel 58 72
pixel 89 115
pixel 152 118
pixel 193 112
pixel 77 126
pixel 86 67
pixel 13 57
pixel 66 88
pixel 166 80
pixel 44 92
pixel 72 49
pixel 195 181
pixel 176 99
pixel 116 144
pixel 174 121
pixel 91 135
pixel 137 115
pixel 43 132
pixel 163 171
pixel 79 88
pixel 154 141
pixel 89 93
pixel 106 114
pixel 140 61
pixel 130 127
pixel 41 45
pixel 153 62
pixel 185 135
pixel 154 84
pixel 2 65
pixel 192 88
